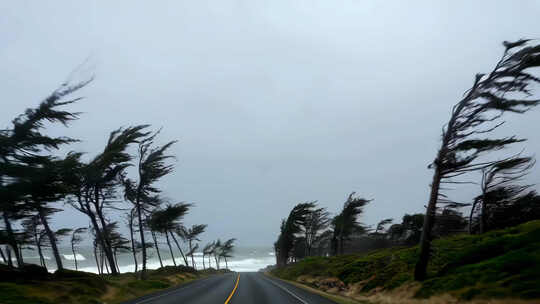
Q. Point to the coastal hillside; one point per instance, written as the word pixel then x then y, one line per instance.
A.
pixel 501 264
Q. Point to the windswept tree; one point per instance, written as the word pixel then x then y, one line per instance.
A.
pixel 23 144
pixel 380 236
pixel 192 235
pixel 32 229
pixel 382 225
pixel 36 235
pixel 408 231
pixel 225 251
pixel 317 221
pixel 290 227
pixel 98 251
pixel 167 221
pixel 499 188
pixel 346 222
pixel 207 251
pixel 94 184
pixel 142 193
pixel 154 238
pixel 449 221
pixel 131 218
pixel 323 243
pixel 4 247
pixel 507 88
pixel 118 242
pixel 45 187
pixel 216 251
pixel 514 212
pixel 76 239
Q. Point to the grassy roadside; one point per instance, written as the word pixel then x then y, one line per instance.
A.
pixel 503 264
pixel 69 286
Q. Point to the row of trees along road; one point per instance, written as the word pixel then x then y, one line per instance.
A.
pixel 465 146
pixel 309 230
pixel 34 183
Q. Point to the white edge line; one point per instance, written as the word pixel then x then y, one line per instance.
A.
pixel 290 292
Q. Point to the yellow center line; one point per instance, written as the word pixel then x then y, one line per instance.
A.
pixel 234 290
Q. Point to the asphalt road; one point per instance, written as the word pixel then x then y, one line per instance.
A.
pixel 234 288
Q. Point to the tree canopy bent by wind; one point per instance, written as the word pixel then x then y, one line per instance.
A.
pixel 507 88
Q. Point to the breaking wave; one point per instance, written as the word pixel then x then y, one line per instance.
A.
pixel 69 257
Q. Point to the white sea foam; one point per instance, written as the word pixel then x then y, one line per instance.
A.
pixel 245 259
pixel 243 265
pixel 36 257
pixel 79 256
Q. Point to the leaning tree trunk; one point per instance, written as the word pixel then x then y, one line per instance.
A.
pixel 116 259
pixel 12 241
pixel 203 265
pixel 104 261
pixel 101 262
pixel 471 216
pixel 429 220
pixel 133 247
pixel 143 242
pixel 40 252
pixel 226 265
pixel 192 255
pixel 20 251
pixel 157 247
pixel 51 236
pixel 107 250
pixel 8 252
pixel 179 248
pixel 96 258
pixel 170 248
pixel 106 242
pixel 74 256
pixel 3 256
pixel 99 233
pixel 483 213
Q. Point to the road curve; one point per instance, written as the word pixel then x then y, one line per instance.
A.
pixel 234 288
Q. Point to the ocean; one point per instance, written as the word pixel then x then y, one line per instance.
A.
pixel 245 259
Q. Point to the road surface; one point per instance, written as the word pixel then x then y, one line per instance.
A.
pixel 234 288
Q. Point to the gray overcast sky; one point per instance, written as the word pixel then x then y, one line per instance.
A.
pixel 274 102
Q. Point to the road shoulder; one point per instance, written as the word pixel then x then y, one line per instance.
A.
pixel 336 298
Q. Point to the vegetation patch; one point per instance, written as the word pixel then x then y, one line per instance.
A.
pixel 498 264
pixel 77 287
